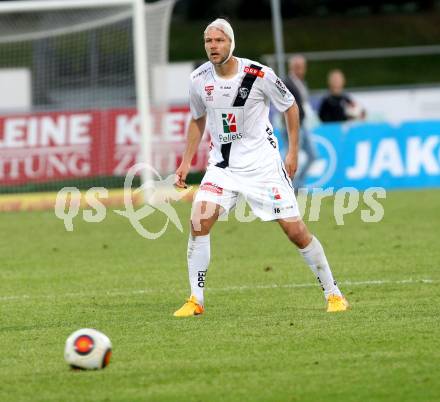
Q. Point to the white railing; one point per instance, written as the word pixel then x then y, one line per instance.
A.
pixel 402 51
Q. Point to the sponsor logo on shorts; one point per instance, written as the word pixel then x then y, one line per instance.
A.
pixel 254 71
pixel 274 193
pixel 211 187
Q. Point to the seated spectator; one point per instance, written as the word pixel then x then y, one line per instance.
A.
pixel 338 105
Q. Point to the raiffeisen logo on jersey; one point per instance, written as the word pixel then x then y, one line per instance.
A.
pixel 209 89
pixel 230 133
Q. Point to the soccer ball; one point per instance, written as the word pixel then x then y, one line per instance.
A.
pixel 88 349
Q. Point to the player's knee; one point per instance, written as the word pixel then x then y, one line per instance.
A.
pixel 299 234
pixel 200 226
pixel 203 218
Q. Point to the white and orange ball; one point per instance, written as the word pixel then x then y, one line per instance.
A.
pixel 88 349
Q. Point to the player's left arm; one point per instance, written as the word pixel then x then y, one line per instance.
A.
pixel 292 124
pixel 285 102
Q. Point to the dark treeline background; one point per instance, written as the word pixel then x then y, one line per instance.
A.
pixel 260 9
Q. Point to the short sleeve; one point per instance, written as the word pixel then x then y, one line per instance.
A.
pixel 277 92
pixel 197 107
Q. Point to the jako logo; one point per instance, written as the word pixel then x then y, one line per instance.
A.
pixel 413 157
pixel 323 169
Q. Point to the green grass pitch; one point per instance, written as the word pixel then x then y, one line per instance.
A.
pixel 265 335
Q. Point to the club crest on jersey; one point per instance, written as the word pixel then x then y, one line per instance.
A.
pixel 243 92
pixel 254 71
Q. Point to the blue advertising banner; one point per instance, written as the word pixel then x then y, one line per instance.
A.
pixel 363 155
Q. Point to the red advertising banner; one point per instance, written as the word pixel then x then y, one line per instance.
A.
pixel 43 147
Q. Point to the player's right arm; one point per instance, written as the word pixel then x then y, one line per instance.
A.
pixel 196 128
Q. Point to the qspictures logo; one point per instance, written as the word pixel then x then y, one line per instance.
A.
pixel 158 193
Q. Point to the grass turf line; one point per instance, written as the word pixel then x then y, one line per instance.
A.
pixel 256 344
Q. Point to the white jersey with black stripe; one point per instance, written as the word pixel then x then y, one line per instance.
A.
pixel 237 112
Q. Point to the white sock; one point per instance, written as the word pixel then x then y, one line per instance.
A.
pixel 199 252
pixel 315 257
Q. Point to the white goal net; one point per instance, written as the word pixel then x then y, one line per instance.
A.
pixel 69 98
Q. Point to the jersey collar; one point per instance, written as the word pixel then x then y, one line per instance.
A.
pixel 239 70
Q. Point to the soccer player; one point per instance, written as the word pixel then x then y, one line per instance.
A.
pixel 232 95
